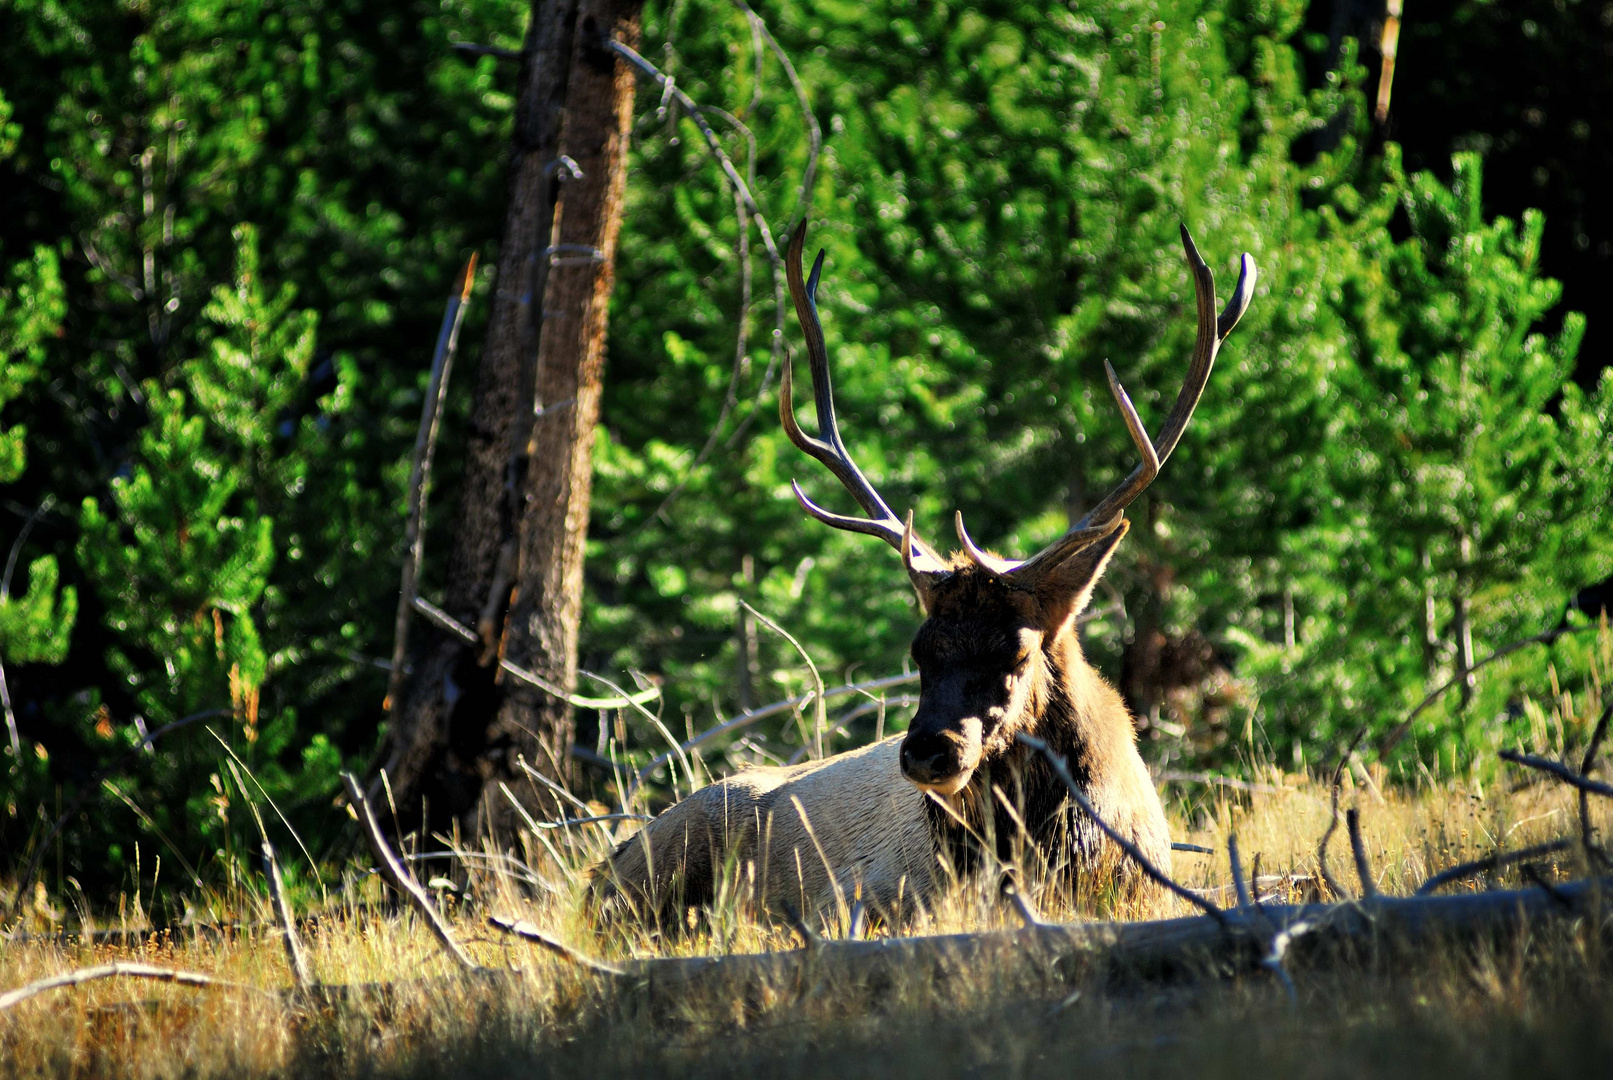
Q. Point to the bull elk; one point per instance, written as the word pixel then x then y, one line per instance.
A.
pixel 997 655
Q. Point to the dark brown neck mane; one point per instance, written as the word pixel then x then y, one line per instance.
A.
pixel 1054 836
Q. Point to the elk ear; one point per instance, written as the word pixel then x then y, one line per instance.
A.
pixel 1065 590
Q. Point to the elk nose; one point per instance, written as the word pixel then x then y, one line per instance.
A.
pixel 925 768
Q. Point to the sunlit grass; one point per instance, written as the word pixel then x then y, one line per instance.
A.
pixel 413 1014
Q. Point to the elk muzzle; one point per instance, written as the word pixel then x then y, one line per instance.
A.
pixel 941 756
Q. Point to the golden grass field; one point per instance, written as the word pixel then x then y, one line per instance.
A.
pixel 1532 1004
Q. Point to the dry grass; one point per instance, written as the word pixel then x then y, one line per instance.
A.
pixel 1539 1003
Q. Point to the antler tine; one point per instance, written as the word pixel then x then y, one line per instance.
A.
pixel 981 557
pixel 830 449
pixel 1212 330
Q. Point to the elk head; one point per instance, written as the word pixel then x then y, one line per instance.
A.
pixel 997 631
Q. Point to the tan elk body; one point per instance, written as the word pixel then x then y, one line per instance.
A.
pixel 889 825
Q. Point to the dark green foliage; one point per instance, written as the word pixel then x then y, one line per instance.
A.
pixel 234 225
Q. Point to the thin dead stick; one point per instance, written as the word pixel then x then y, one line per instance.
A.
pixel 441 618
pixel 313 864
pixel 1358 848
pixel 656 722
pixel 1240 887
pixel 1492 862
pixel 288 928
pixel 528 932
pixel 124 971
pixel 92 785
pixel 1560 771
pixel 1333 820
pixel 1196 849
pixel 819 706
pixel 1391 740
pixel 572 823
pixel 1257 883
pixel 803 191
pixel 1062 769
pixel 744 720
pixel 1023 906
pixel 425 449
pixel 741 190
pixel 11 717
pixel 557 788
pixel 713 144
pixel 400 878
pixel 1587 834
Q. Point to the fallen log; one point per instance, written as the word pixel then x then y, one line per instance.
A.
pixel 1239 942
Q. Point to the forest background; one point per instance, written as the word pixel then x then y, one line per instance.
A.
pixel 230 228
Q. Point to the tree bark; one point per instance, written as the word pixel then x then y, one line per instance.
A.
pixel 545 608
pixel 455 727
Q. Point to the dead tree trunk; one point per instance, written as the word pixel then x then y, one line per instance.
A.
pixel 545 607
pixel 451 727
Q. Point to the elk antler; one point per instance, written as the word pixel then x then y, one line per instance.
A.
pixel 919 558
pixel 1212 331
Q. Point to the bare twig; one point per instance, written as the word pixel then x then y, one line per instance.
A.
pixel 741 190
pixel 1022 904
pixel 1196 849
pixel 1560 771
pixel 441 618
pixel 528 932
pixel 92 785
pixel 1277 951
pixel 1491 862
pixel 11 717
pixel 810 938
pixel 818 704
pixel 126 971
pixel 1333 819
pixel 425 449
pixel 288 928
pixel 746 719
pixel 1532 872
pixel 400 878
pixel 1391 740
pixel 1358 848
pixel 1245 901
pixel 1587 834
pixel 1062 769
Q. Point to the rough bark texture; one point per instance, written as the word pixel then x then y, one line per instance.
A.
pixel 540 631
pixel 455 728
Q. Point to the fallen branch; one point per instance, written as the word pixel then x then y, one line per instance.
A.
pixel 425 450
pixel 1587 834
pixel 1239 887
pixel 400 878
pixel 1492 862
pixel 125 971
pixel 441 618
pixel 746 719
pixel 1333 820
pixel 288 928
pixel 1560 771
pixel 1062 769
pixel 528 932
pixel 1194 944
pixel 1358 848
